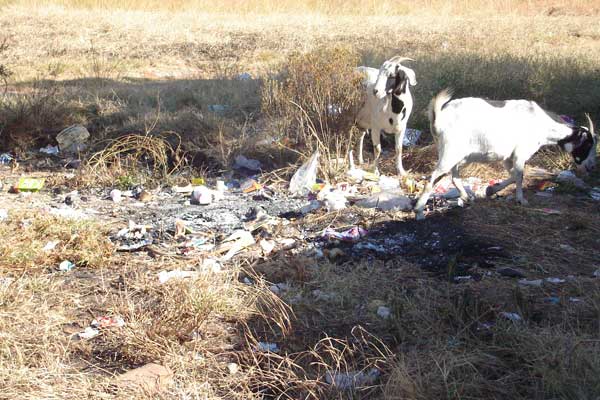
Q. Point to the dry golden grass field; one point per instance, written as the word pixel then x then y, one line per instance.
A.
pixel 177 70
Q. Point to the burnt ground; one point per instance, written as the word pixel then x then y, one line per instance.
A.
pixel 430 244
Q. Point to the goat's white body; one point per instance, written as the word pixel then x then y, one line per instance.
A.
pixel 473 130
pixel 476 130
pixel 376 115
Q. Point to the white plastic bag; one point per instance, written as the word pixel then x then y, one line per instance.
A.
pixel 306 176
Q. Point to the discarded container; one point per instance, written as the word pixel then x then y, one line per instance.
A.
pixel 335 200
pixel 352 380
pixel 66 266
pixel 250 185
pixel 244 76
pixel 384 312
pixel 234 243
pixel 202 195
pixel 150 379
pixel 218 108
pixel 388 183
pixel 575 300
pixel 305 177
pixel 550 211
pixel 233 368
pixel 73 138
pixel 5 281
pixel 535 282
pixel 267 246
pixel 546 185
pixel 210 265
pixel 165 276
pixel 571 178
pixel 267 347
pixel 387 200
pixel 51 150
pixel 248 163
pixel 411 137
pixel 198 181
pixel 595 193
pixel 555 280
pixel 50 245
pixel 411 184
pixel 180 229
pixel 183 189
pixel 88 333
pixel 370 246
pixel 30 184
pixel 116 195
pixel 221 186
pixel 350 235
pixel 3 214
pixel 135 246
pixel 287 243
pixel 313 205
pixel 511 316
pixel 5 158
pixel 357 175
pixel 279 287
pixel 334 109
pixel 462 278
pixel 108 322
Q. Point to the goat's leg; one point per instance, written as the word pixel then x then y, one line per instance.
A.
pixel 464 196
pixel 492 190
pixel 360 147
pixel 399 141
pixel 436 175
pixel 376 139
pixel 518 177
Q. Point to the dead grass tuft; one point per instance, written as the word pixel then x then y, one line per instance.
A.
pixel 137 158
pixel 315 101
pixel 81 242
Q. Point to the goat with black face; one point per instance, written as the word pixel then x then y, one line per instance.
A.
pixel 387 106
pixel 479 130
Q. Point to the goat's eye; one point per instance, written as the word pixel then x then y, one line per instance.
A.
pixel 577 159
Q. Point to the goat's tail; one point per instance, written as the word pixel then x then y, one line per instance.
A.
pixel 435 107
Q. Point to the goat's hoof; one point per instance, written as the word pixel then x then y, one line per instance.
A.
pixel 490 191
pixel 402 173
pixel 523 202
pixel 467 199
pixel 419 216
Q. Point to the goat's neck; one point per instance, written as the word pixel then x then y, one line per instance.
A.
pixel 558 132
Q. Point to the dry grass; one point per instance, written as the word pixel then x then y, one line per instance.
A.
pixel 26 234
pixel 162 67
pixel 313 102
pixel 340 7
pixel 195 326
pixel 149 157
pixel 131 68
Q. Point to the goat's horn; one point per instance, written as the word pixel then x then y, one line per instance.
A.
pixel 399 59
pixel 590 123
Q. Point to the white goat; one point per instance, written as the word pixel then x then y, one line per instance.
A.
pixel 477 130
pixel 387 106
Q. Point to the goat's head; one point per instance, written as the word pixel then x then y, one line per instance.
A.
pixel 394 78
pixel 582 146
